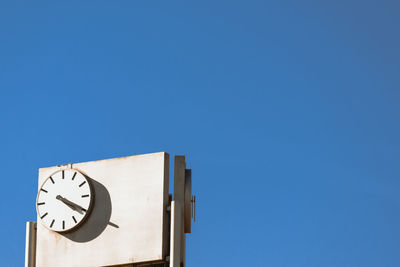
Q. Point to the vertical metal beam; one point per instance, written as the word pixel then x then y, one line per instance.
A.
pixel 179 197
pixel 179 179
pixel 30 244
pixel 175 240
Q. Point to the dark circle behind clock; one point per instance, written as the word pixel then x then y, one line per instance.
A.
pixel 98 219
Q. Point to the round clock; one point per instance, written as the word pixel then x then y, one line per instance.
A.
pixel 64 200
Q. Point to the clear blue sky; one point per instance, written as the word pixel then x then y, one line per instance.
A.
pixel 288 112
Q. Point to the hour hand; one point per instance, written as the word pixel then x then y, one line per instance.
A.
pixel 71 204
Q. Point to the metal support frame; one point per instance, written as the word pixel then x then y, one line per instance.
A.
pixel 178 238
pixel 175 241
pixel 30 244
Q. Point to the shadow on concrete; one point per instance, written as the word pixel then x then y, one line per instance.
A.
pixel 98 219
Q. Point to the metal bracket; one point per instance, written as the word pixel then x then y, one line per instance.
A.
pixel 193 207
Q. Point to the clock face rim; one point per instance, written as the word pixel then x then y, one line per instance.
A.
pixel 89 209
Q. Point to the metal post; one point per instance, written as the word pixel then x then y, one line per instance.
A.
pixel 175 239
pixel 30 244
pixel 179 197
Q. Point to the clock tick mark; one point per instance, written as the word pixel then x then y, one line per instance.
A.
pixel 85 195
pixel 73 177
pixel 41 189
pixel 51 225
pixel 51 179
pixel 82 183
pixel 74 219
pixel 63 224
pixel 83 209
pixel 41 203
pixel 62 175
pixel 44 215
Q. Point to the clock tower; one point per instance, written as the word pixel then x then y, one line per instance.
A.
pixel 114 212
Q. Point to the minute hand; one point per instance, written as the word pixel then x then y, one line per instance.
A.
pixel 71 204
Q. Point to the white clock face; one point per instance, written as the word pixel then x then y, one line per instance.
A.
pixel 64 200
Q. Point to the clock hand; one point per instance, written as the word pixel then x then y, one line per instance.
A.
pixel 71 204
pixel 68 203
